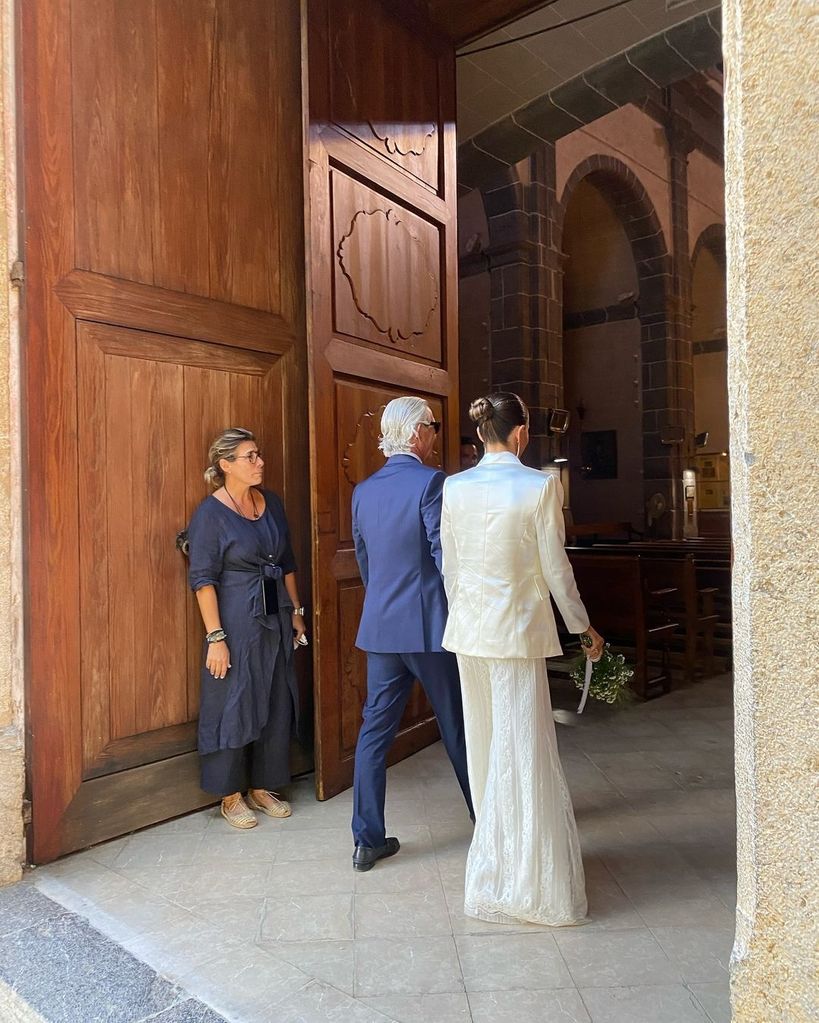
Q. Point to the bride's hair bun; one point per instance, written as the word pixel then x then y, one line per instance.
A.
pixel 498 415
pixel 481 411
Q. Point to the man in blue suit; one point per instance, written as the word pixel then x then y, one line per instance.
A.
pixel 396 529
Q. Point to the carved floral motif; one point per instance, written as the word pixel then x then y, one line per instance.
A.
pixel 354 461
pixel 389 274
pixel 404 139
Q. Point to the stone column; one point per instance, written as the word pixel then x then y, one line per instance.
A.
pixel 772 152
pixel 525 271
pixel 680 366
pixel 11 676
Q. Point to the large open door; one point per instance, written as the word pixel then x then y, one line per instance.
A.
pixel 162 166
pixel 383 284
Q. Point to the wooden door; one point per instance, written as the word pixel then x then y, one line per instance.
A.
pixel 383 279
pixel 162 163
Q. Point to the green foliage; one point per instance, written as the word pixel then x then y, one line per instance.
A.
pixel 610 677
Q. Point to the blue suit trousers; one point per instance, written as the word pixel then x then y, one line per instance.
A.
pixel 389 683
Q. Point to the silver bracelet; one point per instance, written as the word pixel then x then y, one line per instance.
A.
pixel 217 636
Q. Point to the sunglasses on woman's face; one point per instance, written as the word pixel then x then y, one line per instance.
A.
pixel 436 426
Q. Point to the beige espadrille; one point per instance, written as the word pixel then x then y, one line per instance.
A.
pixel 277 808
pixel 238 815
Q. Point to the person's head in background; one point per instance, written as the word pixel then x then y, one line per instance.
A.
pixel 469 453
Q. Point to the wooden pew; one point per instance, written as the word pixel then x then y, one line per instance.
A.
pixel 588 533
pixel 712 560
pixel 673 591
pixel 612 589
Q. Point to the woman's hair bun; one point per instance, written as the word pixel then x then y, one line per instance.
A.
pixel 481 411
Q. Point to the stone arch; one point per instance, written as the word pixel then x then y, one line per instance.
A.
pixel 628 197
pixel 712 239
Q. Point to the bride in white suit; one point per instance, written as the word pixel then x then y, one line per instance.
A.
pixel 502 536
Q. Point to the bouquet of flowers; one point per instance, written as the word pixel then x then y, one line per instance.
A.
pixel 609 680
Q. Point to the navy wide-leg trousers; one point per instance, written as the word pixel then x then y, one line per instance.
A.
pixel 389 683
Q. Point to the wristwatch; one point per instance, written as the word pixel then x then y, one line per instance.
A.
pixel 298 611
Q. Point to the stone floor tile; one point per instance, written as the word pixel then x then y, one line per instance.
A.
pixel 609 907
pixel 244 988
pixel 231 845
pixel 192 823
pixel 315 844
pixel 402 914
pixel 187 885
pixel 176 950
pixel 331 877
pixel 698 768
pixel 676 908
pixel 22 905
pixel 701 954
pixel 657 1004
pixel 412 966
pixel 412 874
pixel 102 982
pixel 715 999
pixel 237 916
pixel 84 879
pixel 437 1008
pixel 509 961
pixel 307 918
pixel 138 911
pixel 563 1005
pixel 189 1011
pixel 332 962
pixel 463 924
pixel 726 889
pixel 320 1003
pixel 309 813
pixel 719 802
pixel 151 850
pixel 634 772
pixel 105 853
pixel 615 958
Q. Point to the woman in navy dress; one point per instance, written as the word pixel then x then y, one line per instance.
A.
pixel 244 575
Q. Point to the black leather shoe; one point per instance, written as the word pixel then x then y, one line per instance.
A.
pixel 365 858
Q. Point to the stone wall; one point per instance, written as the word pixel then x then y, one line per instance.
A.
pixel 12 773
pixel 772 151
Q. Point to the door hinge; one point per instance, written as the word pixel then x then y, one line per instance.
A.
pixel 17 274
pixel 26 811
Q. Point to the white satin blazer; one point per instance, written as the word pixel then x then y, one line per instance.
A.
pixel 502 539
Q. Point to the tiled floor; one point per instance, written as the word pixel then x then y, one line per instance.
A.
pixel 273 926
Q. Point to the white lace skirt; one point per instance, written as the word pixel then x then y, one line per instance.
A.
pixel 524 862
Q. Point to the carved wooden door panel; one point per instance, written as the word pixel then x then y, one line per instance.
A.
pixel 164 301
pixel 382 195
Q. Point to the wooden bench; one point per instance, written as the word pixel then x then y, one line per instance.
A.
pixel 674 594
pixel 590 532
pixel 712 561
pixel 612 589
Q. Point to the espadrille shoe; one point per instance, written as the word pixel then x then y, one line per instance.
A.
pixel 268 802
pixel 237 815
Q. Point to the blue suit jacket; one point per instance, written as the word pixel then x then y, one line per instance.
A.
pixel 396 529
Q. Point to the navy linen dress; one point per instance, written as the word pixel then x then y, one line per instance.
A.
pixel 248 715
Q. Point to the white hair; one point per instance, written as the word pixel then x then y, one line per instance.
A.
pixel 399 423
